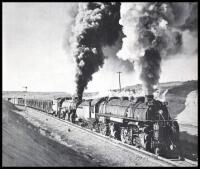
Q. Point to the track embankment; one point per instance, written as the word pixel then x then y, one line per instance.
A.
pixel 24 145
pixel 101 150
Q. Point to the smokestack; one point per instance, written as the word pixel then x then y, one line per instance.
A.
pixel 96 26
pixel 148 98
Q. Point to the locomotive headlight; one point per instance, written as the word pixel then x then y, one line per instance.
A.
pixel 171 147
pixel 160 112
pixel 150 103
pixel 165 103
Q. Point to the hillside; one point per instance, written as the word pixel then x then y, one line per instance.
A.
pixel 175 93
pixel 191 108
pixel 23 145
pixel 176 96
pixel 34 95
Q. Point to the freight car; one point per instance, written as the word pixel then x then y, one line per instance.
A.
pixel 42 105
pixel 21 101
pixel 13 100
pixel 62 107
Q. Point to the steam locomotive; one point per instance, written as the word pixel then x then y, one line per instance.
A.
pixel 142 121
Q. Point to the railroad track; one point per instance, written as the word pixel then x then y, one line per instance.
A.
pixel 158 159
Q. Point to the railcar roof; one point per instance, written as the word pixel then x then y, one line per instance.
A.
pixel 95 101
pixel 41 100
pixel 57 98
pixel 119 102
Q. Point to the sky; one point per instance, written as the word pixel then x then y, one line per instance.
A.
pixel 35 55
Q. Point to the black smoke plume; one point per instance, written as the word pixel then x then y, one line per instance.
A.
pixel 96 25
pixel 150 69
pixel 155 38
pixel 154 32
pixel 158 40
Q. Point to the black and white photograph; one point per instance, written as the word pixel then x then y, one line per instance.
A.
pixel 100 84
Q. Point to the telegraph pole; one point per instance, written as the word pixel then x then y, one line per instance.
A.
pixel 119 81
pixel 25 95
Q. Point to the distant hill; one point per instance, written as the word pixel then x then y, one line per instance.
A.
pixel 175 95
pixel 34 95
pixel 161 85
pixel 40 95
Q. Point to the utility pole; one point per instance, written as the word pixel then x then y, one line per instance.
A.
pixel 25 95
pixel 119 81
